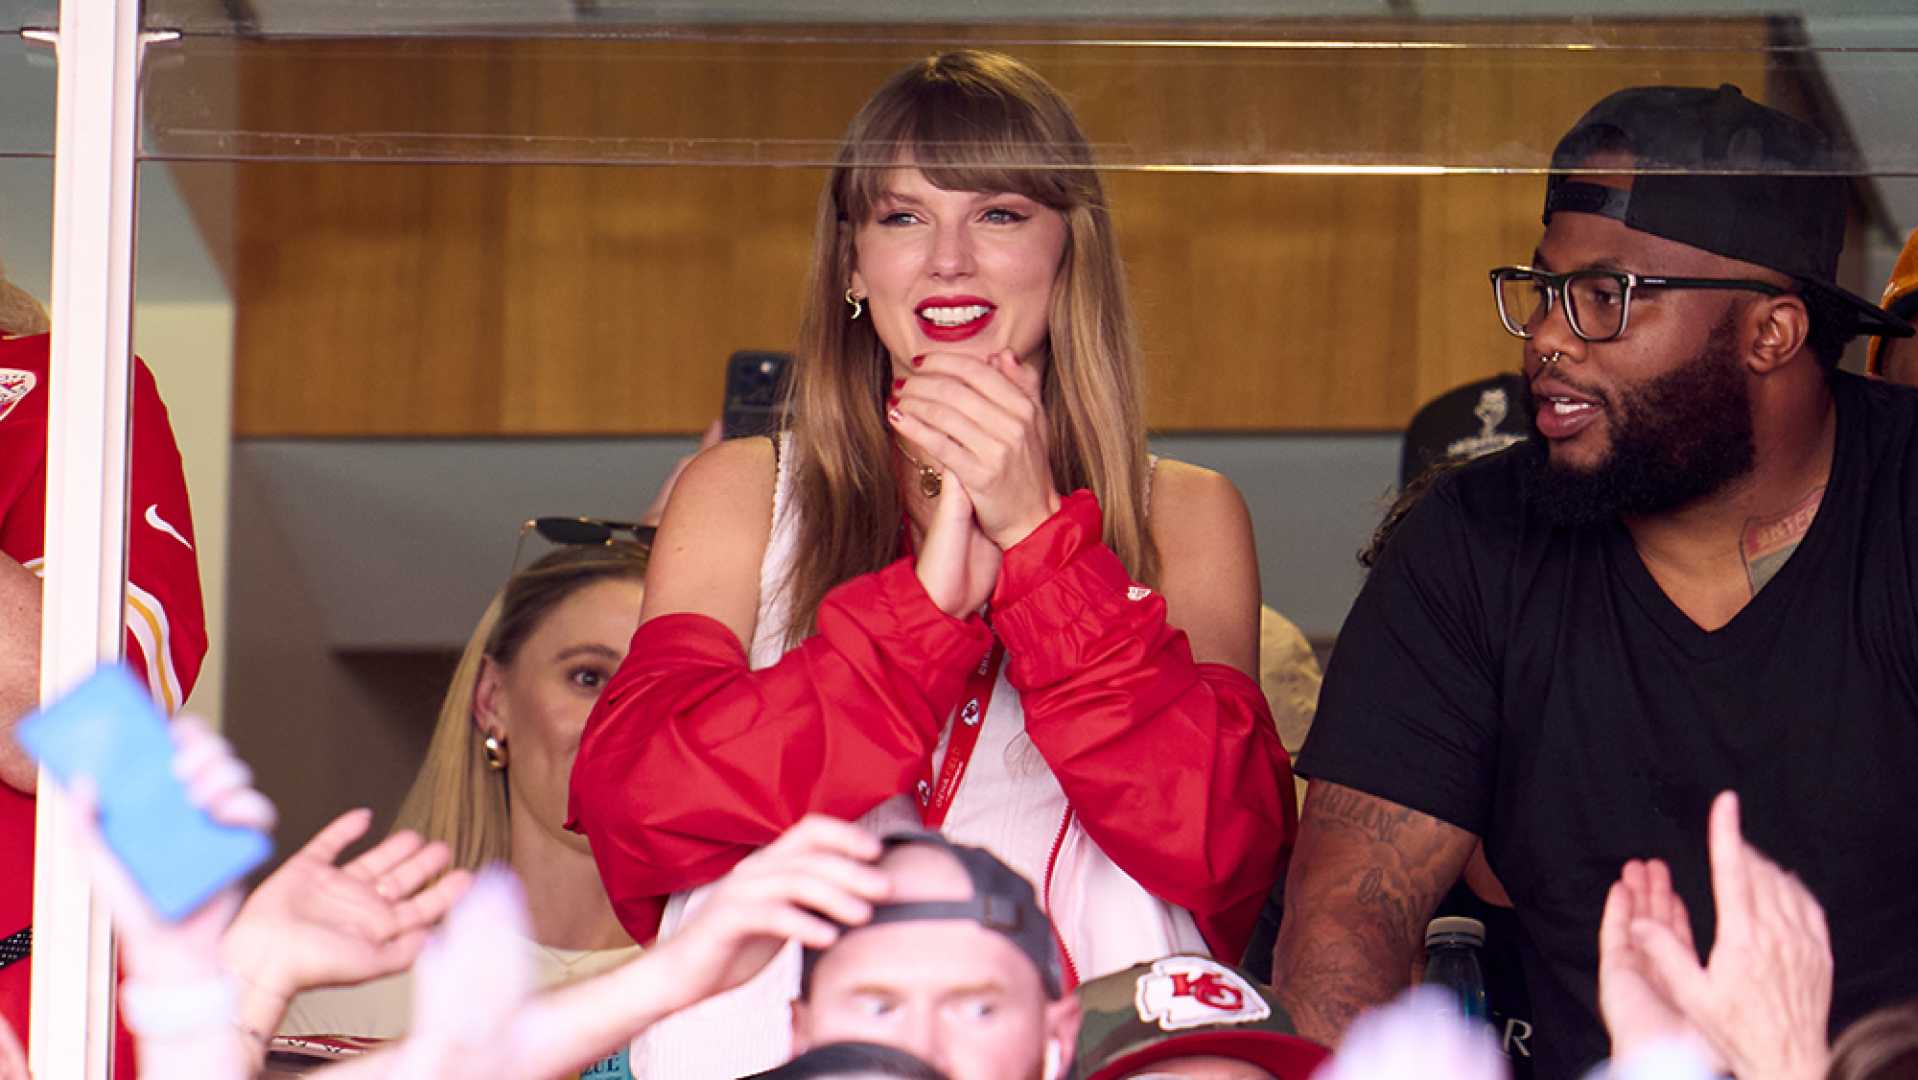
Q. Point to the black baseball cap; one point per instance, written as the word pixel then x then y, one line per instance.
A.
pixel 1001 901
pixel 1715 170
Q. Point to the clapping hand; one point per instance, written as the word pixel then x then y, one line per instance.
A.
pixel 817 877
pixel 474 1018
pixel 1763 999
pixel 1637 1012
pixel 312 923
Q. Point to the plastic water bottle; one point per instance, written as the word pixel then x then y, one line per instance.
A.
pixel 1452 945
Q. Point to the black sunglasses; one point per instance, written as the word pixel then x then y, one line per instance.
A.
pixel 580 531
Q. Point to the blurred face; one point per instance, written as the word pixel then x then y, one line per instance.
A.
pixel 957 995
pixel 959 271
pixel 1661 415
pixel 540 700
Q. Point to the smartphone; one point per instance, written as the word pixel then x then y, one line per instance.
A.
pixel 109 730
pixel 755 392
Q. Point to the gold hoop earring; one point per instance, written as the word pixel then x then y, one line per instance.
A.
pixel 857 303
pixel 495 751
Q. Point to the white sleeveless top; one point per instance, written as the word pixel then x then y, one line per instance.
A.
pixel 1008 802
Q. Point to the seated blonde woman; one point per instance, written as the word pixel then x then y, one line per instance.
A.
pixel 493 787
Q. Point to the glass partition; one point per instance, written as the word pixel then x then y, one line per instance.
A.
pixel 412 273
pixel 1299 96
pixel 478 261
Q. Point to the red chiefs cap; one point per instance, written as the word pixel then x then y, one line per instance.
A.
pixel 1186 1006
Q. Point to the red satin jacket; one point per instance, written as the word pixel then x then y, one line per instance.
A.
pixel 691 759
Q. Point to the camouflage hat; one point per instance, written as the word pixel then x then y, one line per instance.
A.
pixel 1186 1006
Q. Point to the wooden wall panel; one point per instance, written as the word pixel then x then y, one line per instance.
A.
pixel 552 299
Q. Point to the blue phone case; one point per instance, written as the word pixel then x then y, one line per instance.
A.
pixel 109 729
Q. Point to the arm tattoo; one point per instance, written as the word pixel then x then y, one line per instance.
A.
pixel 1347 809
pixel 1365 876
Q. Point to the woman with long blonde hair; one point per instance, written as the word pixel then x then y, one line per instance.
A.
pixel 493 785
pixel 956 593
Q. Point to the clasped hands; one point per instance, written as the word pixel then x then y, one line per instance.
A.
pixel 980 421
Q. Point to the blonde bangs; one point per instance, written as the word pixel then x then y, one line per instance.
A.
pixel 987 125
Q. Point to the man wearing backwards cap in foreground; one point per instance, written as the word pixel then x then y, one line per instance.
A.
pixel 959 967
pixel 1189 1017
pixel 1702 575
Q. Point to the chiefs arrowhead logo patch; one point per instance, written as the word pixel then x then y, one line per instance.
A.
pixel 14 385
pixel 1183 992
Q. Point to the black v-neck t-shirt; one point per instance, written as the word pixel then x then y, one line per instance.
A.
pixel 1534 685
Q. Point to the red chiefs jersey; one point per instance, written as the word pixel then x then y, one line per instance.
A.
pixel 166 623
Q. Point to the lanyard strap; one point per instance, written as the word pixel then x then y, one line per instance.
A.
pixel 936 794
pixel 16 947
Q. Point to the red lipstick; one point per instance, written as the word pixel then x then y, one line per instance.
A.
pixel 958 317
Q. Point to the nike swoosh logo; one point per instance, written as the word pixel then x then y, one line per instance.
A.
pixel 154 519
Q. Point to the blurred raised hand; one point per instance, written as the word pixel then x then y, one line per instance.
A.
pixel 817 877
pixel 1638 1014
pixel 178 999
pixel 1763 999
pixel 1420 1034
pixel 312 923
pixel 473 1017
pixel 218 782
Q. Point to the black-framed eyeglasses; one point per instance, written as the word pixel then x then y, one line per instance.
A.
pixel 580 531
pixel 1598 303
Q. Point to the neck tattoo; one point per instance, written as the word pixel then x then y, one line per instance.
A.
pixel 1768 542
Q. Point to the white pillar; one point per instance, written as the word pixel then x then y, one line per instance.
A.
pixel 96 126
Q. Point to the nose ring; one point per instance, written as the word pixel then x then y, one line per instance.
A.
pixel 1554 357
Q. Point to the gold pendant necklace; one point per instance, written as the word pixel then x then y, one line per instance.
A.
pixel 931 480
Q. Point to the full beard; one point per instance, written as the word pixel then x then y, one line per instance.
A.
pixel 1675 439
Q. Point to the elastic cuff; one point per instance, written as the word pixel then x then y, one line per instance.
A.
pixel 1028 564
pixel 921 628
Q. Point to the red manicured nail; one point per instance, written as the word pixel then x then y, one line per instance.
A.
pixel 898 384
pixel 918 360
pixel 892 401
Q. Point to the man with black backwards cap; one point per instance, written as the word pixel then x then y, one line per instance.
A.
pixel 1702 575
pixel 959 967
